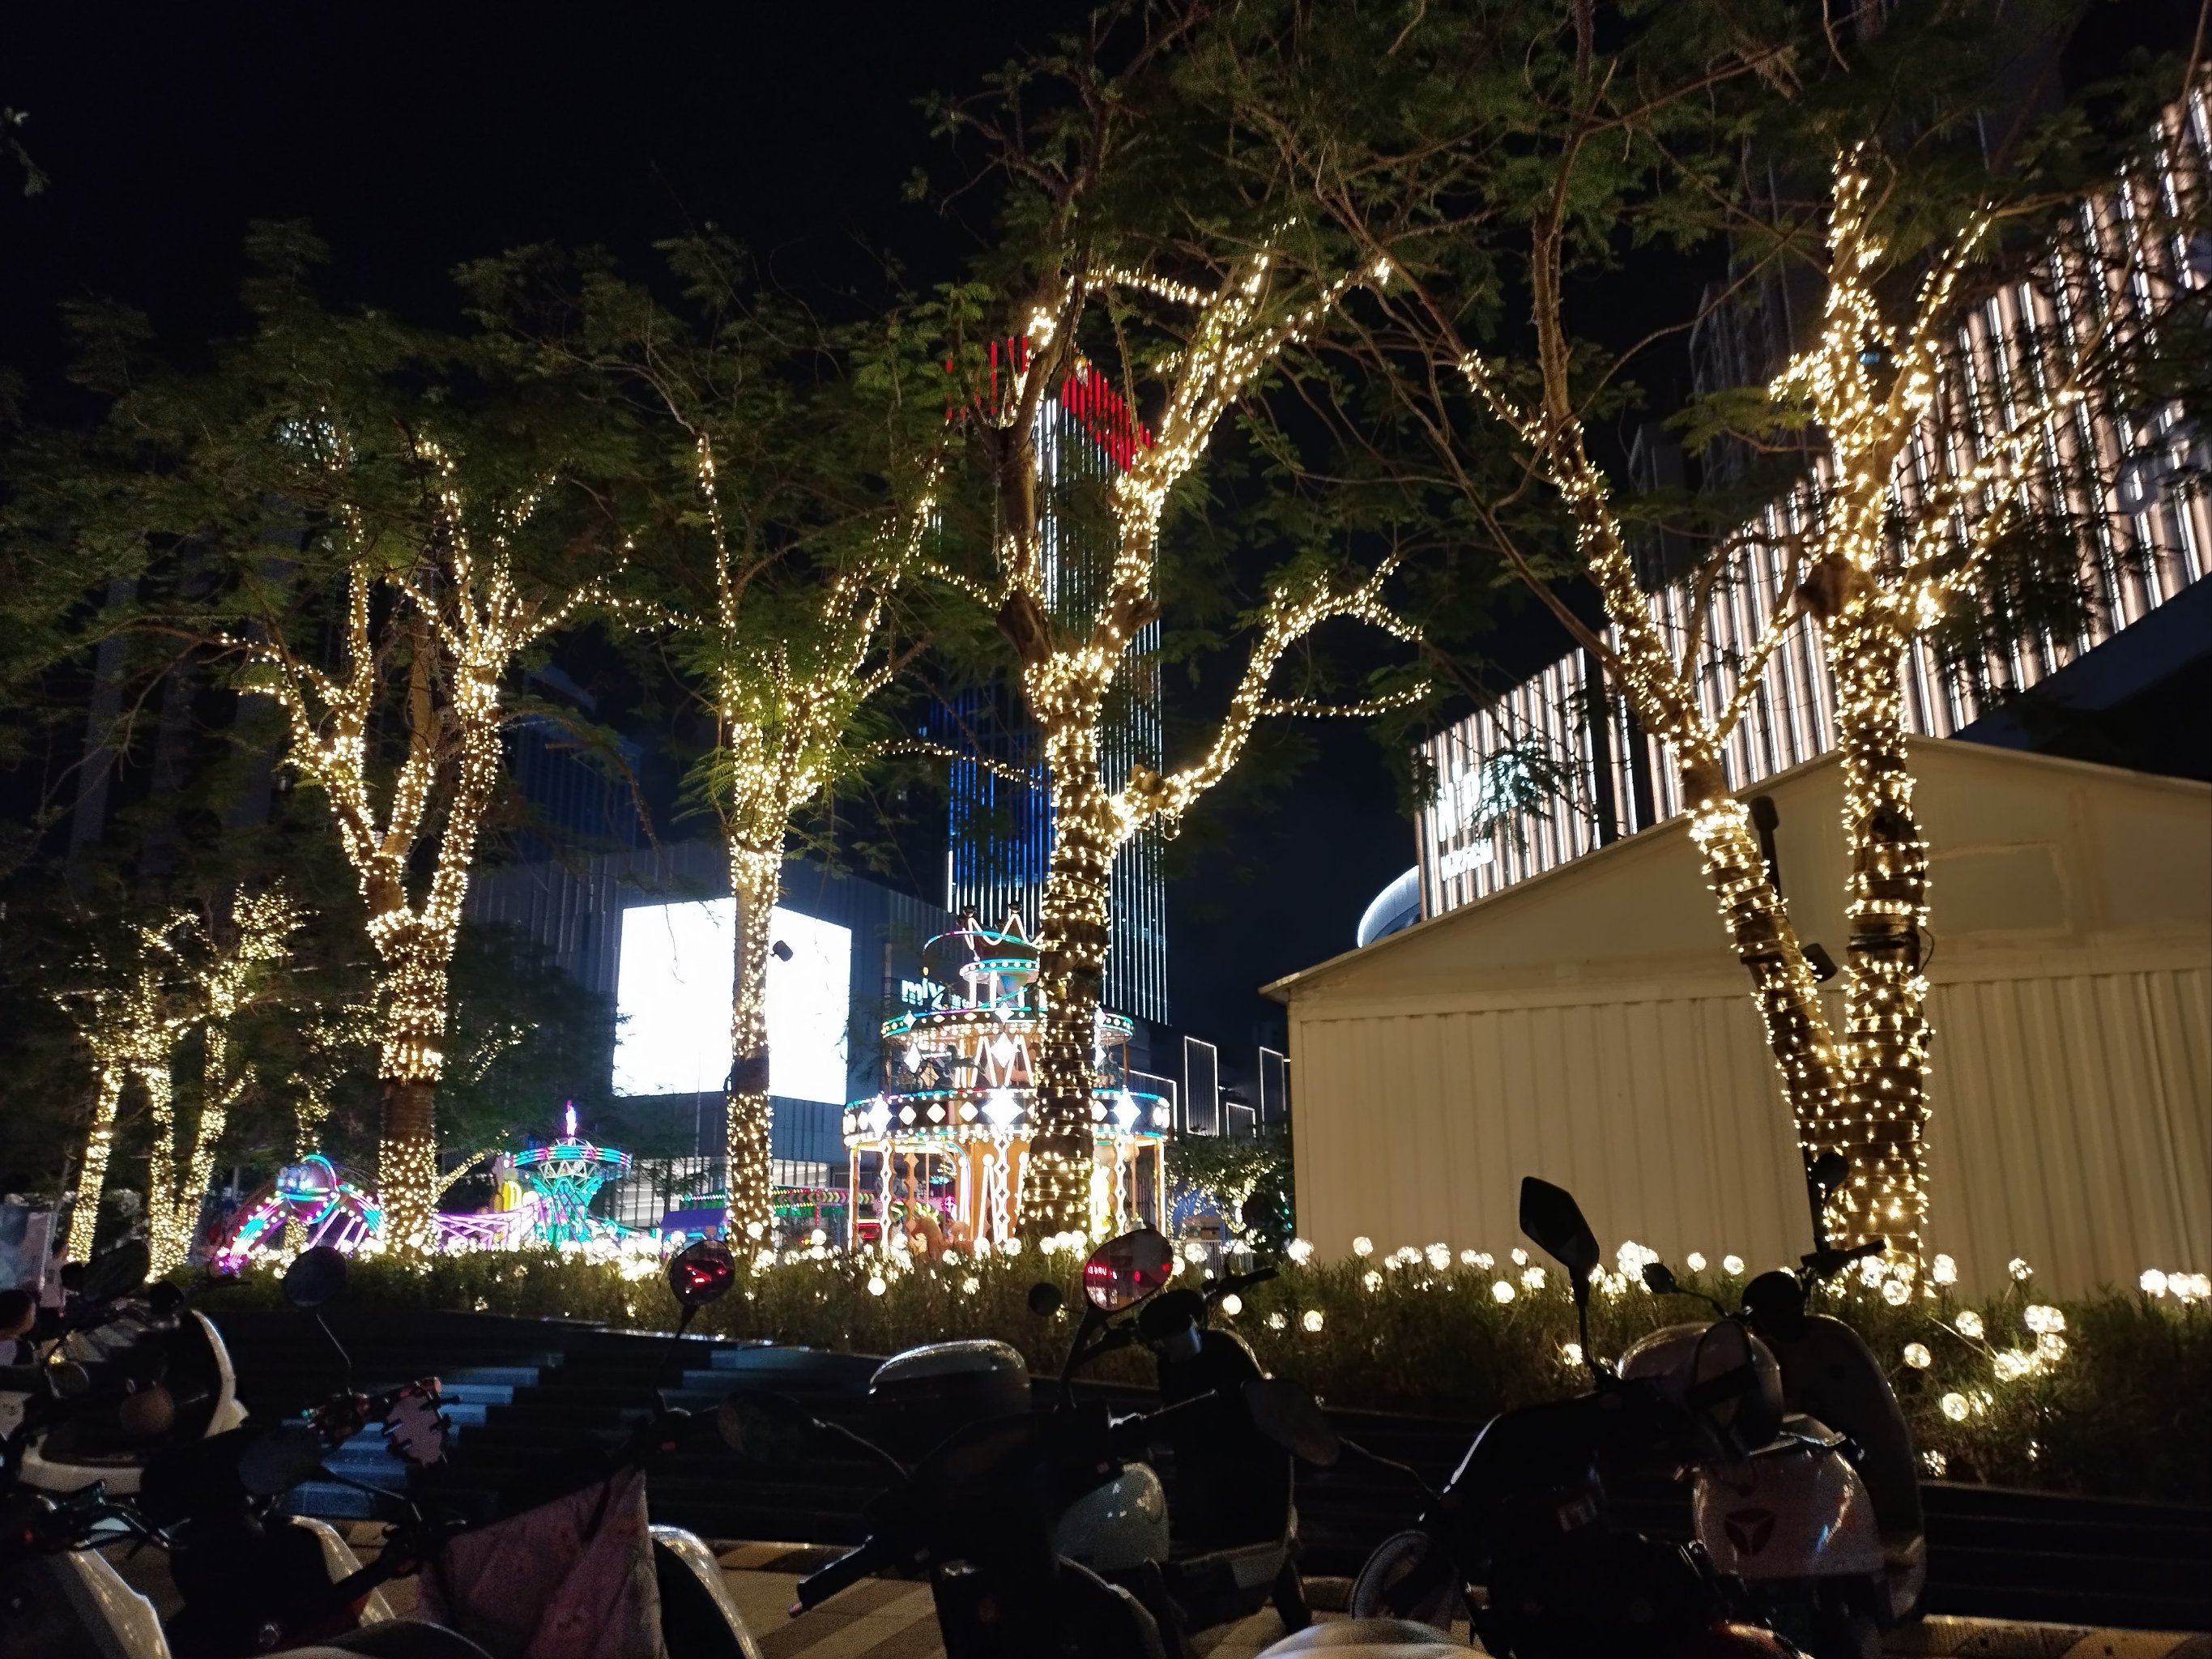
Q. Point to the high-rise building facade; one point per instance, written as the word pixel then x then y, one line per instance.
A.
pixel 1000 826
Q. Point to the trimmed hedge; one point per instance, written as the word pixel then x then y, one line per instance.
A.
pixel 2109 1395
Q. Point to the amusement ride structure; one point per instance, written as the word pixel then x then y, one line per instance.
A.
pixel 939 1150
pixel 563 1179
pixel 311 1202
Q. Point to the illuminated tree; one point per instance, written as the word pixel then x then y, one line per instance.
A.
pixel 190 975
pixel 794 508
pixel 132 1030
pixel 1086 179
pixel 786 712
pixel 391 527
pixel 455 614
pixel 1905 485
pixel 228 968
pixel 1069 666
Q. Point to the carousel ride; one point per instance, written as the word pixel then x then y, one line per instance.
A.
pixel 937 1156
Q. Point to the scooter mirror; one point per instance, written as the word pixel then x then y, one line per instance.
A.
pixel 1291 1417
pixel 1045 1300
pixel 766 1428
pixel 1550 1216
pixel 116 1273
pixel 279 1460
pixel 316 1279
pixel 1830 1170
pixel 1659 1279
pixel 701 1273
pixel 1122 1272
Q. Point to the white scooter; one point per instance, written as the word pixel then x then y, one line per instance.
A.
pixel 1241 1553
pixel 163 1367
pixel 1822 1522
pixel 60 1598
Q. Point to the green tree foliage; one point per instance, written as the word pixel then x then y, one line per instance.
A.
pixel 354 536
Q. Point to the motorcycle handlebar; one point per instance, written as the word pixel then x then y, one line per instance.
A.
pixel 847 1570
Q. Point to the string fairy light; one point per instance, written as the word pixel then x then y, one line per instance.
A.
pixel 1069 671
pixel 467 620
pixel 1869 387
pixel 132 1033
pixel 784 712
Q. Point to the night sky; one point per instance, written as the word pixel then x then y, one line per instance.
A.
pixel 415 137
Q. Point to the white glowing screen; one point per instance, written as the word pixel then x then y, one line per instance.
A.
pixel 673 991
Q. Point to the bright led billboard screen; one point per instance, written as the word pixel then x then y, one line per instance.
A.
pixel 673 991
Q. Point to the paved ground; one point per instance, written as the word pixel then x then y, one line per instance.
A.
pixel 879 1619
pixel 884 1618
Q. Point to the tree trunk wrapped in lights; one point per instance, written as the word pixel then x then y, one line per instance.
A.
pixel 108 1079
pixel 1071 655
pixel 463 619
pixel 226 982
pixel 1882 568
pixel 756 883
pixel 790 684
pixel 132 1034
pixel 1683 125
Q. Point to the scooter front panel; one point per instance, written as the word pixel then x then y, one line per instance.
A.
pixel 73 1605
pixel 1793 1510
pixel 340 1562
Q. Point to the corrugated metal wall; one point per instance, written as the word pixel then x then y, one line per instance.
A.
pixel 2070 1125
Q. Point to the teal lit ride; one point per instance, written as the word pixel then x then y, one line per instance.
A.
pixel 564 1178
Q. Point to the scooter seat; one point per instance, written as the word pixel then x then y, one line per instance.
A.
pixel 1367 1638
pixel 1251 1567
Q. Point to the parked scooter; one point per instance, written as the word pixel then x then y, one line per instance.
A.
pixel 1230 1547
pixel 1822 1522
pixel 979 1515
pixel 161 1377
pixel 499 1580
pixel 1235 1523
pixel 61 1599
pixel 251 1576
pixel 1520 1538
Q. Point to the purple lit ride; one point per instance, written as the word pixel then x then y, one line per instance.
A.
pixel 311 1202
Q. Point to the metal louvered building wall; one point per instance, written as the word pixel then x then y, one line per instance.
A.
pixel 2147 536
